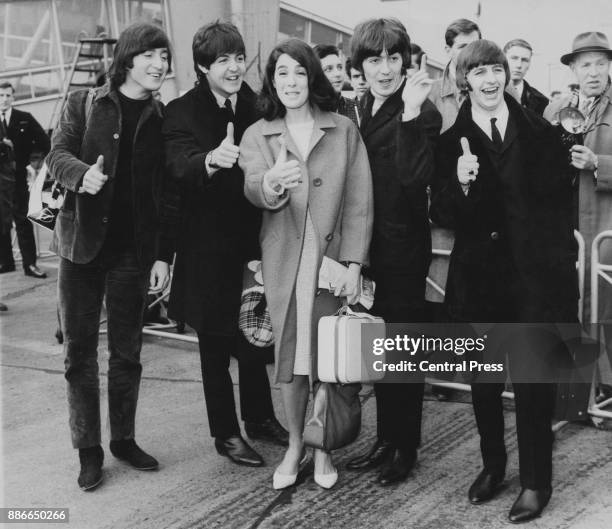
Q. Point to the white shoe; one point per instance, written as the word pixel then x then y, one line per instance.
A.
pixel 282 481
pixel 327 481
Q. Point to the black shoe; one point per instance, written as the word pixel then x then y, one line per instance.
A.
pixel 238 450
pixel 91 467
pixel 127 450
pixel 372 458
pixel 3 307
pixel 34 271
pixel 529 504
pixel 485 486
pixel 4 268
pixel 269 430
pixel 396 466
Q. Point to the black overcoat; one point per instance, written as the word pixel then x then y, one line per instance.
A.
pixel 514 255
pixel 219 228
pixel 28 137
pixel 401 158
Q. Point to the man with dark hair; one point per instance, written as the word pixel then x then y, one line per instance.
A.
pixel 358 82
pixel 333 68
pixel 399 128
pixel 218 237
pixel 502 185
pixel 107 152
pixel 444 92
pixel 23 135
pixel 519 54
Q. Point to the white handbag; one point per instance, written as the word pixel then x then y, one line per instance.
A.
pixel 340 357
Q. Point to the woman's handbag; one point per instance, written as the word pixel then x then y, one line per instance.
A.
pixel 254 319
pixel 336 416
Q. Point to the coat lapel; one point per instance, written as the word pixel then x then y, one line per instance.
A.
pixel 388 111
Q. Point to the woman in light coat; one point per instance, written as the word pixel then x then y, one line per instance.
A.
pixel 308 169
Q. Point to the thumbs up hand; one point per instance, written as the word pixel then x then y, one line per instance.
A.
pixel 284 174
pixel 416 90
pixel 226 154
pixel 467 164
pixel 94 178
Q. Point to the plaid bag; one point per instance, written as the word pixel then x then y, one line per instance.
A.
pixel 254 319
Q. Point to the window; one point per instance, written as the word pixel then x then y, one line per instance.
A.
pixel 292 25
pixel 320 34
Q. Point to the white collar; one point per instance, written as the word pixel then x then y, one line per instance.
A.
pixel 7 115
pixel 483 120
pixel 221 100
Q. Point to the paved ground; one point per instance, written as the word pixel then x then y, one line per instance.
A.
pixel 196 488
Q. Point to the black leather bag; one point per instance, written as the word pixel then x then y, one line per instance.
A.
pixel 336 416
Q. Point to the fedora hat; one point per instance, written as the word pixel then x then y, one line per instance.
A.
pixel 589 41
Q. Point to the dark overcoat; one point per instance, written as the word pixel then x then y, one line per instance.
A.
pixel 218 229
pixel 514 255
pixel 78 140
pixel 401 158
pixel 336 188
pixel 28 137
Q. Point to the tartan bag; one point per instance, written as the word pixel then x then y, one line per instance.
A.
pixel 254 318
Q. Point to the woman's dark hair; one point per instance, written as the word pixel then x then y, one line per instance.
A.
pixel 213 40
pixel 320 91
pixel 134 40
pixel 377 34
pixel 479 53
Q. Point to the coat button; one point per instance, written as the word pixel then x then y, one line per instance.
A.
pixel 329 237
pixel 116 135
pixel 494 235
pixel 317 182
pixel 104 220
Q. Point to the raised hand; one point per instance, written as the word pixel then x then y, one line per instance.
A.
pixel 417 89
pixel 94 178
pixel 226 154
pixel 284 174
pixel 467 164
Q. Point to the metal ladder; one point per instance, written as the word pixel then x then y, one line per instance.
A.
pixel 93 57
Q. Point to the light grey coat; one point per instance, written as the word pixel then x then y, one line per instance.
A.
pixel 337 189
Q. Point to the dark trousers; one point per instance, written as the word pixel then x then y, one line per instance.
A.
pixel 255 398
pixel 81 289
pixel 25 231
pixel 529 354
pixel 400 298
pixel 534 412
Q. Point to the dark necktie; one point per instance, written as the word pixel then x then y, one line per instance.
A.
pixel 228 107
pixel 495 135
pixel 4 128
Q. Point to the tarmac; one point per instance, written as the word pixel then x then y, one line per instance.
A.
pixel 197 488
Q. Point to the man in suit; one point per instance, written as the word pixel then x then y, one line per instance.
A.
pixel 503 185
pixel 24 135
pixel 444 93
pixel 108 154
pixel 218 235
pixel 399 128
pixel 519 54
pixel 590 62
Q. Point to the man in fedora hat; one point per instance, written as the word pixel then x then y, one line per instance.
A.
pixel 590 61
